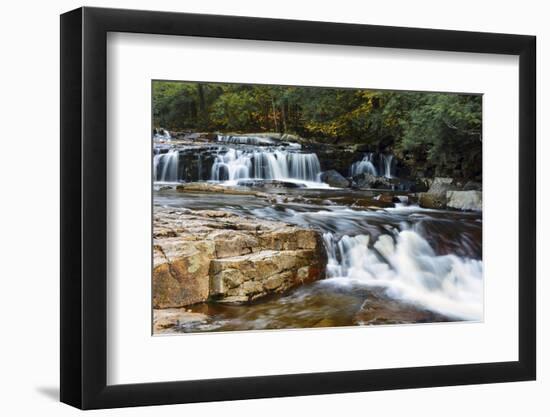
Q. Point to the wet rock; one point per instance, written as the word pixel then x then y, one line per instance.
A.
pixel 367 199
pixel 432 201
pixel 465 200
pixel 472 186
pixel 441 185
pixel 380 309
pixel 164 320
pixel 256 139
pixel 269 184
pixel 217 255
pixel 365 180
pixel 335 179
pixel 436 197
pixel 387 198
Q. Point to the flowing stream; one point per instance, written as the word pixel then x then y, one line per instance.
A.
pixel 398 264
pixel 385 265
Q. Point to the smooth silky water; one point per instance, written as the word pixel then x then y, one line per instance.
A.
pixel 386 265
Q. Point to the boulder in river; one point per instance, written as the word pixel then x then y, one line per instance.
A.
pixel 441 185
pixel 365 180
pixel 432 201
pixel 202 255
pixel 465 200
pixel 388 198
pixel 334 179
pixel 436 196
pixel 472 186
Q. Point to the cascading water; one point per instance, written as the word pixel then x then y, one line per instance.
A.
pixel 162 135
pixel 408 268
pixel 304 166
pixel 165 166
pixel 247 140
pixel 366 166
pixel 199 166
pixel 272 164
pixel 231 166
pixel 387 163
pixel 269 165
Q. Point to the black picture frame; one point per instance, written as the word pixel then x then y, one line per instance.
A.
pixel 84 207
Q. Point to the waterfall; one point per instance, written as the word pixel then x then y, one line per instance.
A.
pixel 366 165
pixel 165 166
pixel 265 164
pixel 387 163
pixel 408 268
pixel 247 140
pixel 270 165
pixel 233 165
pixel 162 134
pixel 304 166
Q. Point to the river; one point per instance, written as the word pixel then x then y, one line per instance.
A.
pixel 387 263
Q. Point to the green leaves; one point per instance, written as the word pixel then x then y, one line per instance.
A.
pixel 442 128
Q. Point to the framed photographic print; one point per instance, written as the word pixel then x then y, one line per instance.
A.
pixel 257 208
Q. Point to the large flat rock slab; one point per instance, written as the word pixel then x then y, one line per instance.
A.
pixel 216 255
pixel 471 200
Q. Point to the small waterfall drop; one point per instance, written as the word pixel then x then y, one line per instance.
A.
pixel 165 166
pixel 269 164
pixel 366 165
pixel 247 140
pixel 232 165
pixel 304 166
pixel 162 134
pixel 387 163
pixel 408 268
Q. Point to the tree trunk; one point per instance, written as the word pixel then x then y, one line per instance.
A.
pixel 203 116
pixel 274 114
pixel 283 116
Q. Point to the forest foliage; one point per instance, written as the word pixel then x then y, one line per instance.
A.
pixel 430 126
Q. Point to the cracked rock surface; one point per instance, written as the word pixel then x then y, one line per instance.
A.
pixel 216 255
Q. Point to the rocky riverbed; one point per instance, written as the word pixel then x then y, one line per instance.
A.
pixel 254 232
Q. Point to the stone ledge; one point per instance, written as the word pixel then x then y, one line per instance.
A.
pixel 217 255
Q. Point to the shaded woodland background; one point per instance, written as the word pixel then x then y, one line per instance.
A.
pixel 438 130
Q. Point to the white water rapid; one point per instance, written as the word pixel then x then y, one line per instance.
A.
pixel 165 166
pixel 387 163
pixel 366 166
pixel 270 164
pixel 409 270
